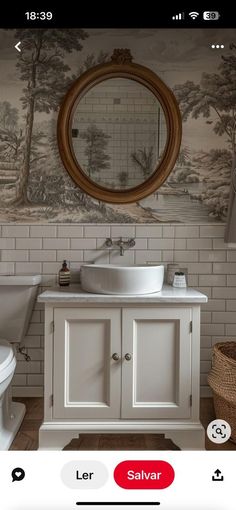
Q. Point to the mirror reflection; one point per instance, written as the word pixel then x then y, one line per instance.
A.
pixel 118 133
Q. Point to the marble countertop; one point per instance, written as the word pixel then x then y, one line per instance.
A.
pixel 75 294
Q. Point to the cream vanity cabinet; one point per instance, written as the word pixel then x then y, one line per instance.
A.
pixel 128 364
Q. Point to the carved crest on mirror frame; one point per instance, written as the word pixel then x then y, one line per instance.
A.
pixel 121 56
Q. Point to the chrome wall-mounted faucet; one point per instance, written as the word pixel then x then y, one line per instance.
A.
pixel 122 245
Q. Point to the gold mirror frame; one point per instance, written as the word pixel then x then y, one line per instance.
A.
pixel 121 66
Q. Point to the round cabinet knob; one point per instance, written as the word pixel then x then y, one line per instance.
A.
pixel 115 356
pixel 128 356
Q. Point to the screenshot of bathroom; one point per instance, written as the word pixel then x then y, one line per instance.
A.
pixel 117 258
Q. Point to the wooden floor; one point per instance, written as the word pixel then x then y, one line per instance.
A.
pixel 27 437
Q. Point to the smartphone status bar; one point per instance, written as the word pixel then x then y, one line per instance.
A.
pixel 102 16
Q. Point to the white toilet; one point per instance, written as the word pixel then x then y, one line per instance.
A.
pixel 17 297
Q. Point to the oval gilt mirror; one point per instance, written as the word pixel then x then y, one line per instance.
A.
pixel 119 130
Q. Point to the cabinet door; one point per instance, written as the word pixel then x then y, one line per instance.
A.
pixel 87 381
pixel 156 382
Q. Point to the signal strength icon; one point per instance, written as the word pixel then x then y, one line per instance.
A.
pixel 193 14
pixel 178 16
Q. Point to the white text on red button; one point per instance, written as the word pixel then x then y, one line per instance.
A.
pixel 142 475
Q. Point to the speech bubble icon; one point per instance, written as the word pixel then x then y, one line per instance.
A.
pixel 18 474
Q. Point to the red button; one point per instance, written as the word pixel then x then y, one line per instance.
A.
pixel 144 474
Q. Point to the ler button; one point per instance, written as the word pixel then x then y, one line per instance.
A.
pixel 84 474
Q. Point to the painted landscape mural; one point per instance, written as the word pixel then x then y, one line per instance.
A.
pixel 35 187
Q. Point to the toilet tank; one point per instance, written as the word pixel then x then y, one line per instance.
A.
pixel 17 297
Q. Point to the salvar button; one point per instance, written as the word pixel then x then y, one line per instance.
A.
pixel 84 474
pixel 144 474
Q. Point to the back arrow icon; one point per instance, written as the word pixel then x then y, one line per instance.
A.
pixel 17 46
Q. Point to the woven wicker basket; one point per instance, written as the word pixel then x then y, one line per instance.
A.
pixel 222 380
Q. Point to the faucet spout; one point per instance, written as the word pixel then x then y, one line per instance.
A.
pixel 121 244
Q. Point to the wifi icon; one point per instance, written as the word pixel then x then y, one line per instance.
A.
pixel 193 14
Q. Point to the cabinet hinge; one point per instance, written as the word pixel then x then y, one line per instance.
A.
pixel 191 326
pixel 52 327
pixel 190 400
pixel 51 401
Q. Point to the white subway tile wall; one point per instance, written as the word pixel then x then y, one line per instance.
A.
pixel 200 248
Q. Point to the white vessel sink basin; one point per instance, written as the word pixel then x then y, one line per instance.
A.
pixel 112 279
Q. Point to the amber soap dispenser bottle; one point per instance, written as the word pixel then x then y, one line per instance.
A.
pixel 64 275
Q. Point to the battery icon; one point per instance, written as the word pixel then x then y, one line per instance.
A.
pixel 211 15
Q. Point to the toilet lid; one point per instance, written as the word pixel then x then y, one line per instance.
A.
pixel 6 354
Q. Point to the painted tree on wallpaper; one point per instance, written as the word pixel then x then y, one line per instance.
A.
pixel 12 142
pixel 217 93
pixel 184 156
pixel 42 68
pixel 95 151
pixel 11 135
pixel 143 158
pixel 92 60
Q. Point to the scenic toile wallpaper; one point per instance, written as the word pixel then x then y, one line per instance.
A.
pixel 34 186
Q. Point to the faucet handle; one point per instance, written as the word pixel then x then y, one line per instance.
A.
pixel 108 242
pixel 131 242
